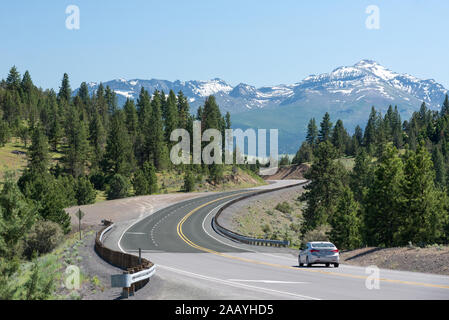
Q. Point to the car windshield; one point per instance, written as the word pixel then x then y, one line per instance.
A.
pixel 322 245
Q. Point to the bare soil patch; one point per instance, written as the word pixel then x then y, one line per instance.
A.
pixel 433 259
pixel 292 172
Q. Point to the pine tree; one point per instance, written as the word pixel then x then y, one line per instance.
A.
pixel 362 175
pixel 346 224
pixel 312 132
pixel 55 127
pixel 12 108
pixel 13 80
pixel 171 120
pixel 131 119
pixel 340 137
pixel 183 111
pixel 143 107
pixel 29 97
pixel 189 182
pixel 97 139
pixel 425 208
pixel 304 154
pixel 77 137
pixel 439 166
pixel 111 100
pixel 118 158
pixel 84 191
pixel 385 199
pixel 228 120
pixel 52 204
pixel 327 177
pixel 325 129
pixel 65 92
pixel 154 134
pixel 118 187
pixel 16 217
pixel 101 104
pixel 38 157
pixel 145 180
pixel 83 93
pixel 211 116
pixel 371 131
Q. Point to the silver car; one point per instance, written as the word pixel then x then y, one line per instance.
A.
pixel 319 253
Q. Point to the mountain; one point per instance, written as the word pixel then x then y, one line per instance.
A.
pixel 347 93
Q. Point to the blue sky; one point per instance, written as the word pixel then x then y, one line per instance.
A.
pixel 256 42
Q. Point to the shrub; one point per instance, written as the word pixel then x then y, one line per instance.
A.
pixel 118 187
pixel 189 182
pixel 43 237
pixel 145 180
pixel 85 192
pixel 284 207
pixel 98 180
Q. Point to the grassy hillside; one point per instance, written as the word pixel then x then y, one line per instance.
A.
pixel 13 158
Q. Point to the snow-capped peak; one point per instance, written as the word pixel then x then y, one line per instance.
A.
pixel 376 69
pixel 207 88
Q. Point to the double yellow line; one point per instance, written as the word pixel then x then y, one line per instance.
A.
pixel 196 246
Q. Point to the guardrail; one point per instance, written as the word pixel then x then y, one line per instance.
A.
pixel 244 239
pixel 137 270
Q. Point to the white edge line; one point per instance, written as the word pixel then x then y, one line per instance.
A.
pixel 241 285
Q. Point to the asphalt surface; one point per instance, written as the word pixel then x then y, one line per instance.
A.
pixel 194 262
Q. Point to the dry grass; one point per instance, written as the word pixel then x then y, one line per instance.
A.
pixel 12 158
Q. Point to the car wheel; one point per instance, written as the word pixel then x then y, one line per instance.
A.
pixel 299 261
pixel 307 262
pixel 327 265
pixel 336 265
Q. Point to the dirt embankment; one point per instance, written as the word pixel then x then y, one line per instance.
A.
pixel 433 259
pixel 292 172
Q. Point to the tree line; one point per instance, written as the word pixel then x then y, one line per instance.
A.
pixel 397 192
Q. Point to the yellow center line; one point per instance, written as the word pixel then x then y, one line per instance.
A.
pixel 194 245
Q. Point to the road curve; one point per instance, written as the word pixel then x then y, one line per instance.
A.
pixel 206 265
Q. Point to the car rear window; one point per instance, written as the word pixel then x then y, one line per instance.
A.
pixel 322 245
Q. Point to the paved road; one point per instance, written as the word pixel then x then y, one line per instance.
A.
pixel 197 263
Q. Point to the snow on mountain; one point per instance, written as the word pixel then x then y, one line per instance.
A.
pixel 364 82
pixel 348 92
pixel 371 82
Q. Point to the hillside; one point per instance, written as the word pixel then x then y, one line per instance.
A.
pixel 292 172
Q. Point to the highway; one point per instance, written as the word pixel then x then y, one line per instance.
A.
pixel 198 263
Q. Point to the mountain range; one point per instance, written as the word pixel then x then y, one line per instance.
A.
pixel 347 93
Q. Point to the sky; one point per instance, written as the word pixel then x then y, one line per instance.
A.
pixel 251 41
